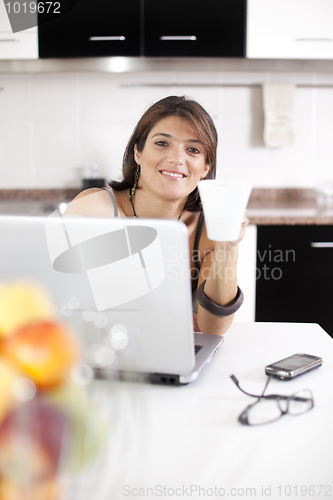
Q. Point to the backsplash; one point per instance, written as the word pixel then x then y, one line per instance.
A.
pixel 53 126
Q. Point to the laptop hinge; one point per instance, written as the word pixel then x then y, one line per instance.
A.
pixel 164 378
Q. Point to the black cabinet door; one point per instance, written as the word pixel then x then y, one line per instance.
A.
pixel 194 28
pixel 295 275
pixel 91 28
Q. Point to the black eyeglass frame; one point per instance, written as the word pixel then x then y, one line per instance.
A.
pixel 243 417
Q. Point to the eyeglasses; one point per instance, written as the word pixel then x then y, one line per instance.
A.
pixel 274 406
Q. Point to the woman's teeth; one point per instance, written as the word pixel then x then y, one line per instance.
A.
pixel 172 174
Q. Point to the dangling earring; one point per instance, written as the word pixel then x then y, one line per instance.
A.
pixel 201 178
pixel 136 178
pixel 133 189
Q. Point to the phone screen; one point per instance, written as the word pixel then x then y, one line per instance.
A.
pixel 293 362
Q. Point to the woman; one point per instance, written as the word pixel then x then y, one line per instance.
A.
pixel 172 148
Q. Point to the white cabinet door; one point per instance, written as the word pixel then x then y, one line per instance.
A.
pixel 289 29
pixel 21 45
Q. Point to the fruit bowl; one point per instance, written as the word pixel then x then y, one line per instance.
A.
pixel 64 435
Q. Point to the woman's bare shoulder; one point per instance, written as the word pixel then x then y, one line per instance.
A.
pixel 87 192
pixel 91 203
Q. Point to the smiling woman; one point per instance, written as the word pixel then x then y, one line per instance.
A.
pixel 172 148
pixel 201 133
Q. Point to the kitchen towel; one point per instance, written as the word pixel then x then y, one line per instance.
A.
pixel 279 105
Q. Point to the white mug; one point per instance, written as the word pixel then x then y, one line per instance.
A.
pixel 224 204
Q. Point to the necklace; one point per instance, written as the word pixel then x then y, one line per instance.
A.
pixel 134 212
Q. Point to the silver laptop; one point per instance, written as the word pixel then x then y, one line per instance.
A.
pixel 124 286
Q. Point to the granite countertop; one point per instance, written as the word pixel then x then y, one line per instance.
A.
pixel 34 201
pixel 266 206
pixel 287 206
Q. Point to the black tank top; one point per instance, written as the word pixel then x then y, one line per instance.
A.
pixel 196 262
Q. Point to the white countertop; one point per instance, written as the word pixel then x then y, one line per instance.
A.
pixel 175 437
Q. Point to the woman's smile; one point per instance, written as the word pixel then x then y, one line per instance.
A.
pixel 173 175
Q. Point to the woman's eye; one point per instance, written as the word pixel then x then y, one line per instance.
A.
pixel 193 150
pixel 161 143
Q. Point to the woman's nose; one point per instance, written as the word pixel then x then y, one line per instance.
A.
pixel 177 156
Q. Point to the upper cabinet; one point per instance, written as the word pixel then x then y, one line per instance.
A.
pixel 93 28
pixel 21 45
pixel 194 28
pixel 289 29
pixel 177 28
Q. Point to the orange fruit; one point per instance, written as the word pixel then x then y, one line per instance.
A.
pixel 44 351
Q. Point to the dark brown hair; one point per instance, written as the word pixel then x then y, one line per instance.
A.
pixel 185 108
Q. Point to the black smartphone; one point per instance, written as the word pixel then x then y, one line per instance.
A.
pixel 293 366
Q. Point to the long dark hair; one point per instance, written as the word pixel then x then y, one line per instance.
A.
pixel 185 108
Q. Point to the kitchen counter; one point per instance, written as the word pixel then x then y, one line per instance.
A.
pixel 35 201
pixel 181 439
pixel 266 206
pixel 289 216
pixel 287 207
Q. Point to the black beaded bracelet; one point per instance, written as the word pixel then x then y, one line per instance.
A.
pixel 213 308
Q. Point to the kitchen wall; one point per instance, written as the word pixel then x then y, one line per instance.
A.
pixel 54 125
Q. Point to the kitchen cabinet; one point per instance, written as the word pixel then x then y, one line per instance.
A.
pixel 289 29
pixel 93 28
pixel 194 28
pixel 179 28
pixel 295 275
pixel 21 45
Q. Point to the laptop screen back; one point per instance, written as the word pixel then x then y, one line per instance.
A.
pixel 124 284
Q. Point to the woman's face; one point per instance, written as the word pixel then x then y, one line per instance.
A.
pixel 172 161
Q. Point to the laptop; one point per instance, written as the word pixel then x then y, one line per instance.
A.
pixel 122 284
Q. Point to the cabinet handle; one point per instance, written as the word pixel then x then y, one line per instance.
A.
pixel 191 38
pixel 9 39
pixel 313 39
pixel 107 38
pixel 321 244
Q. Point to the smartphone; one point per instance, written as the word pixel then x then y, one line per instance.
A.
pixel 293 366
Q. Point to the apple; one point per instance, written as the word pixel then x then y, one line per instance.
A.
pixel 90 424
pixel 31 443
pixel 45 352
pixel 23 302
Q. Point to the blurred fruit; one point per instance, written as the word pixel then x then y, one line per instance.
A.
pixel 90 425
pixel 44 490
pixel 22 303
pixel 8 375
pixel 31 439
pixel 44 351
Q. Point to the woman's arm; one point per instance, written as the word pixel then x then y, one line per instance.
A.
pixel 219 270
